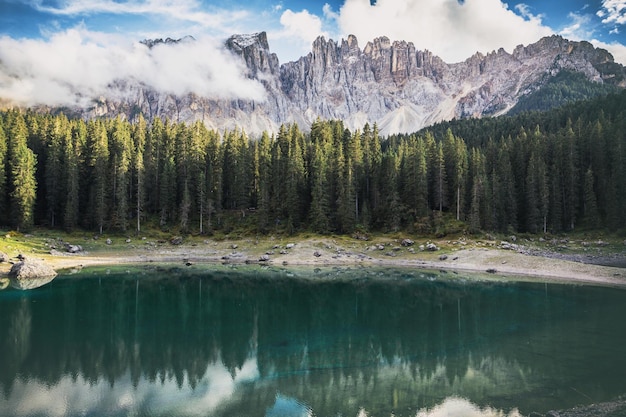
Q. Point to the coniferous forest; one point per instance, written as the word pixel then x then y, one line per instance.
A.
pixel 536 172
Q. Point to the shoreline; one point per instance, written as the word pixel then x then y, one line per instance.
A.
pixel 497 262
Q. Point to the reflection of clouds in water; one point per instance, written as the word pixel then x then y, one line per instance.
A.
pixel 219 388
pixel 78 396
pixel 454 406
pixel 286 406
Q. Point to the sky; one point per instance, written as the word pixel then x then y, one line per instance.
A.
pixel 67 51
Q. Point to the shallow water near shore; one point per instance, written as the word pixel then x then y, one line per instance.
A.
pixel 165 340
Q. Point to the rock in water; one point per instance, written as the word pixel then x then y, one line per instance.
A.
pixel 29 274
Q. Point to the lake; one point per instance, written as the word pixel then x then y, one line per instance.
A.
pixel 164 340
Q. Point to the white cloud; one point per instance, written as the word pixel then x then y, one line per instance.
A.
pixel 613 12
pixel 302 25
pixel 297 32
pixel 448 28
pixel 329 13
pixel 77 65
pixel 525 12
pixel 188 11
pixel 579 27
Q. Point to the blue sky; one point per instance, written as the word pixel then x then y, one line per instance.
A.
pixel 87 39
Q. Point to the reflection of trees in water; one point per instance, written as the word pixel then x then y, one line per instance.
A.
pixel 17 340
pixel 388 342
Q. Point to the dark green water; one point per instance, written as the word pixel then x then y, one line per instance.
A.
pixel 251 342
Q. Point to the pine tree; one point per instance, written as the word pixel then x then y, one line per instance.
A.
pixel 22 164
pixel 121 157
pixel 167 175
pixel 592 216
pixel 99 178
pixel 354 153
pixel 321 142
pixel 213 174
pixel 535 180
pixel 372 157
pixel 440 180
pixel 184 164
pixel 58 136
pixel 264 167
pixel 3 174
pixel 478 201
pixel 295 179
pixel 71 161
pixel 392 209
pixel 455 160
pixel 139 142
pixel 152 165
pixel 507 195
pixel 570 182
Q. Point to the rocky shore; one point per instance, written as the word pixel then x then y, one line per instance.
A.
pixel 507 259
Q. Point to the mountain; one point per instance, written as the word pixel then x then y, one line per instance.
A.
pixel 393 84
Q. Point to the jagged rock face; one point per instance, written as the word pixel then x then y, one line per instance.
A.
pixel 393 84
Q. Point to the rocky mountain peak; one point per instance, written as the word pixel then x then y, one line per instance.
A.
pixel 246 41
pixel 390 83
pixel 150 43
pixel 254 49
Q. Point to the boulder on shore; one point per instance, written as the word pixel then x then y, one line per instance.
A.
pixel 28 274
pixel 28 268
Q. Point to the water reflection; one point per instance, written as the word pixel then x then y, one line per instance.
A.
pixel 455 406
pixel 24 283
pixel 261 343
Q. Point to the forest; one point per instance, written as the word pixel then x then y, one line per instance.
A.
pixel 535 172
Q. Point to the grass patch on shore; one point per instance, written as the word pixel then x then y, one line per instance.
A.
pixel 42 242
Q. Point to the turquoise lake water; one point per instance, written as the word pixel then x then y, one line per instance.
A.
pixel 251 341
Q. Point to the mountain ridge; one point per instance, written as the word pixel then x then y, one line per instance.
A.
pixel 391 83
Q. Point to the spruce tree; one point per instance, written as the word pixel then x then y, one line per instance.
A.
pixel 22 165
pixel 121 158
pixel 139 143
pixel 3 174
pixel 57 136
pixel 71 150
pixel 592 216
pixel 99 173
pixel 264 168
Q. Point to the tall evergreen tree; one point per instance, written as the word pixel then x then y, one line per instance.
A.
pixel 455 160
pixel 58 135
pixel 264 168
pixel 22 164
pixel 99 173
pixel 478 202
pixel 295 179
pixel 591 214
pixel 3 173
pixel 139 142
pixel 121 158
pixel 71 162
pixel 321 142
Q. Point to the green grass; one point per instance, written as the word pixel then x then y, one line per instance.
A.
pixel 40 241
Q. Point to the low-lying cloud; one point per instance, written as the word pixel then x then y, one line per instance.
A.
pixel 75 66
pixel 451 29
